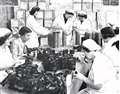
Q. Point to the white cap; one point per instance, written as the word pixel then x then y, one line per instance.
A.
pixel 82 12
pixel 4 31
pixel 70 11
pixel 91 45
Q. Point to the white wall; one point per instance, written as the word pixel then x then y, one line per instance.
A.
pixel 106 13
pixel 111 14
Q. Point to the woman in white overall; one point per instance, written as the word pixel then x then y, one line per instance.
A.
pixel 101 78
pixel 65 22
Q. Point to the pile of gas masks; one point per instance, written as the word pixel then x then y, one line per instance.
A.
pixel 27 79
pixel 53 61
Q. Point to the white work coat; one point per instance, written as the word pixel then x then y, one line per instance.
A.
pixel 5 61
pixel 37 29
pixel 85 26
pixel 66 28
pixel 103 73
pixel 113 54
pixel 82 28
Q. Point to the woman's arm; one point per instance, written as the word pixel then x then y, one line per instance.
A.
pixel 37 28
pixel 88 81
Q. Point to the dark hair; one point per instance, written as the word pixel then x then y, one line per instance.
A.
pixel 107 32
pixel 68 12
pixel 85 49
pixel 24 30
pixel 80 48
pixel 116 44
pixel 34 9
pixel 4 38
pixel 116 30
pixel 82 15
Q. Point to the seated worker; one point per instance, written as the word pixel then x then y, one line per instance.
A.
pixel 101 79
pixel 6 60
pixel 18 45
pixel 82 25
pixel 35 27
pixel 82 66
pixel 65 22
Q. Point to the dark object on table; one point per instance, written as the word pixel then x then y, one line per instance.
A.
pixel 27 79
pixel 57 61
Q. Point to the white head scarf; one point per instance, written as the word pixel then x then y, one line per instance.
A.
pixel 91 45
pixel 82 12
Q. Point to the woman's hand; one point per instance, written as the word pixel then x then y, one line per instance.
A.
pixel 98 86
pixel 88 81
pixel 79 75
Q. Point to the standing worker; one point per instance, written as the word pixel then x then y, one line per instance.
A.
pixel 82 25
pixel 65 22
pixel 18 45
pixel 36 28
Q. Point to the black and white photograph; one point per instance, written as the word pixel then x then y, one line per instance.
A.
pixel 59 47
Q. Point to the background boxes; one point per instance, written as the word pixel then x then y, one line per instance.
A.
pixel 46 17
pixel 77 6
pixel 14 25
pixel 49 16
pixel 40 21
pixel 48 22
